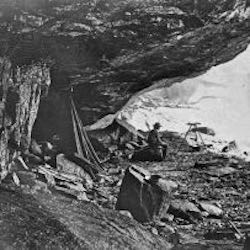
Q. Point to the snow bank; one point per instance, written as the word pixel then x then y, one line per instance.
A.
pixel 219 99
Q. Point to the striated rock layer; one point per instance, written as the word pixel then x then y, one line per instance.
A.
pixel 21 89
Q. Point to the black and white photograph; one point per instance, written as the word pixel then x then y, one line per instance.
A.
pixel 125 124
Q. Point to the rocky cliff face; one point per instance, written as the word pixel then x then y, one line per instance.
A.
pixel 111 50
pixel 21 89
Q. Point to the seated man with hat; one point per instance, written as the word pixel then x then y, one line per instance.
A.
pixel 158 148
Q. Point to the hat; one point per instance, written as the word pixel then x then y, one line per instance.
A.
pixel 157 125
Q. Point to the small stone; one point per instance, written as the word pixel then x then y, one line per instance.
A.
pixel 212 210
pixel 114 171
pixel 35 148
pixel 185 210
pixel 34 159
pixel 237 236
pixel 82 197
pixel 169 229
pixel 119 183
pixel 16 179
pixel 102 180
pixel 219 172
pixel 167 185
pixel 126 213
pixel 155 231
pixel 205 214
pixel 160 224
pixel 167 218
pixel 129 146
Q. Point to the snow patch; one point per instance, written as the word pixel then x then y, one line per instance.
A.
pixel 218 99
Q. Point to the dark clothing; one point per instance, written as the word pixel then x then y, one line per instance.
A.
pixel 158 148
pixel 155 151
pixel 158 153
pixel 150 154
pixel 154 139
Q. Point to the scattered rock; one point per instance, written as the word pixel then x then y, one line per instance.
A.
pixel 159 224
pixel 113 148
pixel 167 185
pixel 205 214
pixel 171 234
pixel 35 148
pixel 233 163
pixel 33 159
pixel 40 187
pixel 16 179
pixel 211 209
pixel 27 178
pixel 219 172
pixel 169 229
pixel 154 231
pixel 114 171
pixel 206 164
pixel 126 213
pixel 82 197
pixel 129 146
pixel 70 167
pixel 167 218
pixel 119 183
pixel 185 210
pixel 50 179
pixel 46 147
pixel 233 193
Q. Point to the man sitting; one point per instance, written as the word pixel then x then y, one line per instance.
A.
pixel 158 148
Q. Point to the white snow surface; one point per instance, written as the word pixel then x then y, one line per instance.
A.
pixel 218 99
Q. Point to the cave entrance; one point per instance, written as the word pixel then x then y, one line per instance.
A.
pixel 54 117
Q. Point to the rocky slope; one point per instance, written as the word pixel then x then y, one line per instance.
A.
pixel 208 209
pixel 45 221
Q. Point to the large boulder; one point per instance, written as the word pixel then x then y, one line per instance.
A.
pixel 141 195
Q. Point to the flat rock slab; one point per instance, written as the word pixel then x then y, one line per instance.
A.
pixel 185 210
pixel 70 167
pixel 219 172
pixel 167 185
pixel 211 209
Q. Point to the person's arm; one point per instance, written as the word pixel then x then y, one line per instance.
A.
pixel 160 141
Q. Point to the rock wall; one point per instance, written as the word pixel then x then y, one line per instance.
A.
pixel 111 50
pixel 20 92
